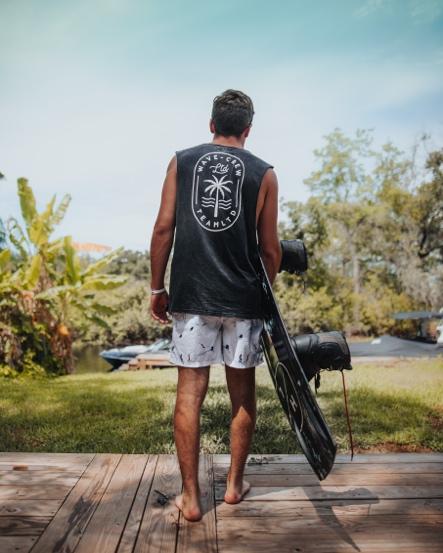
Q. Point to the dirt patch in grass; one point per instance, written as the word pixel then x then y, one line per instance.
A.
pixel 385 362
pixel 436 419
pixel 392 447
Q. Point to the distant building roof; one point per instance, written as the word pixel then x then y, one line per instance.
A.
pixel 90 247
pixel 417 315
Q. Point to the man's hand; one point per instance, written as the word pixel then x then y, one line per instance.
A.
pixel 159 306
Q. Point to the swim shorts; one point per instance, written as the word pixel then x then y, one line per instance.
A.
pixel 202 340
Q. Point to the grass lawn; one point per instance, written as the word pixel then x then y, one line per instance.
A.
pixel 395 406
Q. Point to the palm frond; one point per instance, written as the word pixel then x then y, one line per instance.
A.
pixel 59 213
pixel 17 237
pixel 27 201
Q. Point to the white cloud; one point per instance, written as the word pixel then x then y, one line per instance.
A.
pixel 72 123
pixel 108 143
pixel 420 11
pixel 425 11
pixel 370 6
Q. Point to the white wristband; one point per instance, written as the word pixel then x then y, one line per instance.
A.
pixel 160 291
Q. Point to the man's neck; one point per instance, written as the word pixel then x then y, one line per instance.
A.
pixel 229 141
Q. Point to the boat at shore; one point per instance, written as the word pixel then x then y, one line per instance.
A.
pixel 117 356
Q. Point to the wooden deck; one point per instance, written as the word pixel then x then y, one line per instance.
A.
pixel 86 503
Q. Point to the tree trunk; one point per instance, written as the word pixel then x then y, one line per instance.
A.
pixel 356 283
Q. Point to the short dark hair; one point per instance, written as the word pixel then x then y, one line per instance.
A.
pixel 232 112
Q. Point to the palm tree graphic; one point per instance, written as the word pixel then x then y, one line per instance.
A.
pixel 219 187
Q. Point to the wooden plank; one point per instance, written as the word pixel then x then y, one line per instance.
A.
pixel 224 459
pixel 326 507
pixel 389 502
pixel 37 458
pixel 131 529
pixel 16 544
pixel 34 491
pixel 158 529
pixel 105 527
pixel 27 478
pixel 221 471
pixel 76 468
pixel 382 534
pixel 23 526
pixel 200 537
pixel 293 480
pixel 336 492
pixel 30 507
pixel 64 531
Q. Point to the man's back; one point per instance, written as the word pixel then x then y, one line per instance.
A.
pixel 215 261
pixel 217 199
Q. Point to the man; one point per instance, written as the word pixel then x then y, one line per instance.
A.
pixel 219 199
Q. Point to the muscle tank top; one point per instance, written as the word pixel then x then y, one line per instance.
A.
pixel 215 262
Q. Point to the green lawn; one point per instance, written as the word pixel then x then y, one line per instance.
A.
pixel 394 406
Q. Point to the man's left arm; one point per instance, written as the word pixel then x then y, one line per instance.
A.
pixel 161 242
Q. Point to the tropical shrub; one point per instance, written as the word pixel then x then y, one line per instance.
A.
pixel 42 286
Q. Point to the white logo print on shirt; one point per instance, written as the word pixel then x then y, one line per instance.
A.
pixel 216 190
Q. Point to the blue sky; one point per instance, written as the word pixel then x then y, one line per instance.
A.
pixel 96 95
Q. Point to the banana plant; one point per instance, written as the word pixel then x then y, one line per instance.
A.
pixel 2 236
pixel 76 289
pixel 2 226
pixel 48 281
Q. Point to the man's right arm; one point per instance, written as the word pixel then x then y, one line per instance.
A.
pixel 267 215
pixel 161 242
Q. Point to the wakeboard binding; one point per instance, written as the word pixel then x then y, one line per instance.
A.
pixel 321 350
pixel 292 362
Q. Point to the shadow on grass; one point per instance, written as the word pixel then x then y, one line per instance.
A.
pixel 384 418
pixel 91 418
pixel 98 416
pixel 272 433
pixel 399 420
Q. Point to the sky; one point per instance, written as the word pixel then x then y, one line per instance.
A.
pixel 97 95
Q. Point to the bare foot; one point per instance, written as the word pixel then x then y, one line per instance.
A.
pixel 190 508
pixel 234 494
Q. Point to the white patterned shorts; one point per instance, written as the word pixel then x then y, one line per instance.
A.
pixel 202 340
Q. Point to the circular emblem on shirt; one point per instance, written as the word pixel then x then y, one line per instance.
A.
pixel 216 190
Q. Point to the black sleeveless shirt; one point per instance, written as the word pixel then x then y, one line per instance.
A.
pixel 215 260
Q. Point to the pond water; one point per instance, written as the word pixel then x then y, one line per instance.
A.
pixel 88 360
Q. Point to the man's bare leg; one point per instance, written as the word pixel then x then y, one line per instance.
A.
pixel 241 386
pixel 191 391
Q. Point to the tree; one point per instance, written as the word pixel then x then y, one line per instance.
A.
pixel 342 176
pixel 430 211
pixel 345 188
pixel 410 236
pixel 133 263
pixel 374 237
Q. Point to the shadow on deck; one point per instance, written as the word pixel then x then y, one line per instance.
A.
pixel 123 503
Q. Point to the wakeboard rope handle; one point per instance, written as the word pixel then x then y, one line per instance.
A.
pixel 347 414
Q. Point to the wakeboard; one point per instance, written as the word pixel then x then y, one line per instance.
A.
pixel 290 381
